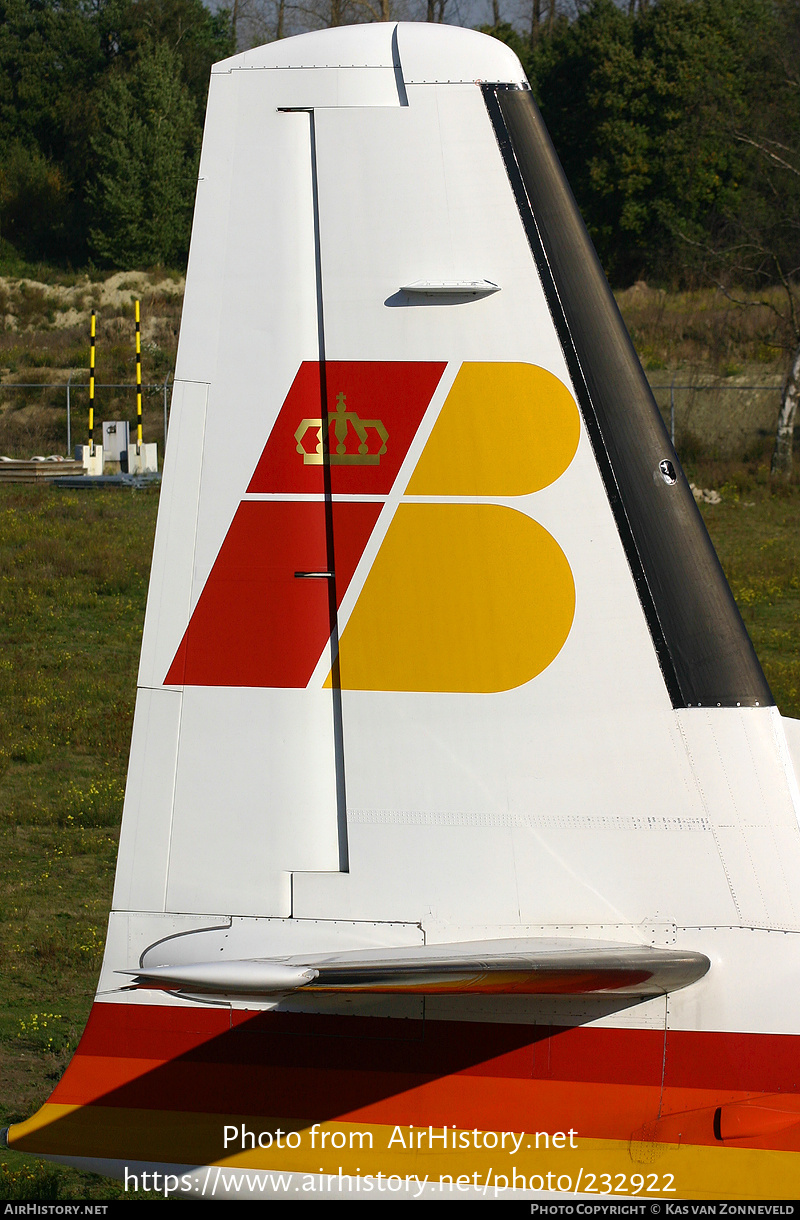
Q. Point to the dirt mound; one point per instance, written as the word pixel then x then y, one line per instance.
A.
pixel 28 305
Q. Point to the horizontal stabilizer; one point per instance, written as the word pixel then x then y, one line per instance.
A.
pixel 499 967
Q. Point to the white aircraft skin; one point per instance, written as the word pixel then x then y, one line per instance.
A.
pixel 458 807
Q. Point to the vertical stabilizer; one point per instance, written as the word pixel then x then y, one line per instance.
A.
pixel 457 802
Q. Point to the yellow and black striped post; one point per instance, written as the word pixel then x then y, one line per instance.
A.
pixel 138 383
pixel 91 387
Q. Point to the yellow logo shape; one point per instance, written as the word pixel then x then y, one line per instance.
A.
pixel 505 430
pixel 461 597
pixel 471 597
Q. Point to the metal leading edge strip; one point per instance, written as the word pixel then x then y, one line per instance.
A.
pixel 704 651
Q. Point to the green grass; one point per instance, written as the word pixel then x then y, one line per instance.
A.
pixel 73 583
pixel 756 533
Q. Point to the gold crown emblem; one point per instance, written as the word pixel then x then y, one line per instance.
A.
pixel 341 422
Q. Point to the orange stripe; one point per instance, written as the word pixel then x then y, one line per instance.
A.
pixel 467 1101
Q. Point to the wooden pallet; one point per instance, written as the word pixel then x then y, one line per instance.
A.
pixel 38 472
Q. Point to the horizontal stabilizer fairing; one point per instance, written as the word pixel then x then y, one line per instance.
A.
pixel 516 967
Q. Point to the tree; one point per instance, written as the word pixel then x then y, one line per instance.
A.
pixel 50 56
pixel 773 139
pixel 639 107
pixel 196 35
pixel 34 200
pixel 760 246
pixel 58 59
pixel 752 240
pixel 146 152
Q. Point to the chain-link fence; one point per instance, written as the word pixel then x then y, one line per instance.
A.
pixel 53 417
pixel 705 419
pixel 709 419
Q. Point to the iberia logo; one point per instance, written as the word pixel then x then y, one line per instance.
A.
pixel 464 593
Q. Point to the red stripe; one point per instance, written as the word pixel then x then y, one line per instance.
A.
pixel 761 1063
pixel 396 393
pixel 605 1083
pixel 256 623
pixel 429 1049
pixel 414 1051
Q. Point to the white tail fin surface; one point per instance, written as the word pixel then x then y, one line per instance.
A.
pixel 447 722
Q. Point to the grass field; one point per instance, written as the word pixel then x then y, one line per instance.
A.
pixel 73 581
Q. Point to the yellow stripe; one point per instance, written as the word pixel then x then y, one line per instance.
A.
pixel 605 1166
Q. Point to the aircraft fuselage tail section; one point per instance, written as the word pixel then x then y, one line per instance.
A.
pixel 457 794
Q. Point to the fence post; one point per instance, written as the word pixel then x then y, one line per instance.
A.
pixel 138 381
pixel 69 423
pixel 672 412
pixel 91 385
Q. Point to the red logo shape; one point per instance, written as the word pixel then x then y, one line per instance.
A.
pixel 394 394
pixel 256 622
